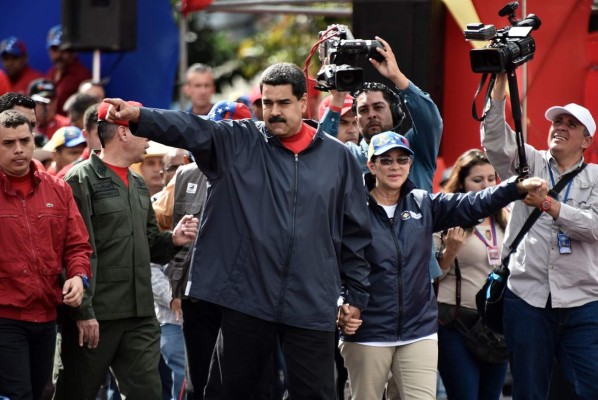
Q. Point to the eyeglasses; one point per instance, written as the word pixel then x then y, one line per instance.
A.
pixel 402 160
pixel 170 168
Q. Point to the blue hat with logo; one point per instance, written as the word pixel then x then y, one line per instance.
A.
pixel 68 136
pixel 13 46
pixel 54 36
pixel 382 142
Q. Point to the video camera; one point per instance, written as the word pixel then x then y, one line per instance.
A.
pixel 510 47
pixel 339 52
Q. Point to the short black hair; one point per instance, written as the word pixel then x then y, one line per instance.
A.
pixel 13 119
pixel 79 103
pixel 106 132
pixel 285 74
pixel 90 118
pixel 368 87
pixel 9 100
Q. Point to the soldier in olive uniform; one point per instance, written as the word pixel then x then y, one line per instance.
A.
pixel 116 325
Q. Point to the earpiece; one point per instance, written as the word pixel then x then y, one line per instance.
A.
pixel 396 108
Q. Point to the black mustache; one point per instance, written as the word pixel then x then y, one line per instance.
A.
pixel 276 119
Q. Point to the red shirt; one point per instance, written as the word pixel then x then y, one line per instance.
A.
pixel 22 184
pixel 301 140
pixel 121 172
pixel 53 125
pixel 68 81
pixel 21 84
pixel 5 85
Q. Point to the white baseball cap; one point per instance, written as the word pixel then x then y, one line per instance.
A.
pixel 582 114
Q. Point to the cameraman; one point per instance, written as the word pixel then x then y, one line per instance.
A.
pixel 377 109
pixel 373 107
pixel 551 303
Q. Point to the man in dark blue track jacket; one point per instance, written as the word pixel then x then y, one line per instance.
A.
pixel 284 226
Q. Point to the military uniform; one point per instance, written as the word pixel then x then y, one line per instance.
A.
pixel 125 238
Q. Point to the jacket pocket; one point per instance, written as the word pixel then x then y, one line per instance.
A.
pixel 51 270
pixel 580 193
pixel 14 284
pixel 111 219
pixel 187 207
pixel 52 224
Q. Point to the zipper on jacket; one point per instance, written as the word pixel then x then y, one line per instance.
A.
pixel 287 262
pixel 399 275
pixel 35 263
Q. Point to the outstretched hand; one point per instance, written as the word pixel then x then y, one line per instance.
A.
pixel 536 189
pixel 120 110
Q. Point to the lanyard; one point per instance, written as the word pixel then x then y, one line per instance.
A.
pixel 483 239
pixel 568 185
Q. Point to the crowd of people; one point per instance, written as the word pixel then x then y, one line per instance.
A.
pixel 241 250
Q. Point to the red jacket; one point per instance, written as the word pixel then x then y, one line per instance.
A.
pixel 41 235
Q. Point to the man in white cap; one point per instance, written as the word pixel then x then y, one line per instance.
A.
pixel 551 303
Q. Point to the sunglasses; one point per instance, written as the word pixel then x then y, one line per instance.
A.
pixel 170 168
pixel 401 160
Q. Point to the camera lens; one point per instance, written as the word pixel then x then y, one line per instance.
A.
pixel 349 80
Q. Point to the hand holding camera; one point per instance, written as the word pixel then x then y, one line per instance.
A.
pixel 339 52
pixel 388 67
pixel 509 47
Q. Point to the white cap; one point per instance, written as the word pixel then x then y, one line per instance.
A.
pixel 581 113
pixel 156 149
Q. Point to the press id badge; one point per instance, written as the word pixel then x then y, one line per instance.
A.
pixel 493 255
pixel 564 243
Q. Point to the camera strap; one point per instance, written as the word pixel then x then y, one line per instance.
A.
pixel 533 217
pixel 474 112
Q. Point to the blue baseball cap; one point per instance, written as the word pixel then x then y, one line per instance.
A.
pixel 382 142
pixel 54 36
pixel 68 136
pixel 13 46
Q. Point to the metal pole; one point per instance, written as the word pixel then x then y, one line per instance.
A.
pixel 96 66
pixel 183 60
pixel 524 82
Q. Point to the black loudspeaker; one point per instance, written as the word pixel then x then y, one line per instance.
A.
pixel 415 31
pixel 107 25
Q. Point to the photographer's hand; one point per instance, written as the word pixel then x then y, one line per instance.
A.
pixel 500 87
pixel 389 67
pixel 338 98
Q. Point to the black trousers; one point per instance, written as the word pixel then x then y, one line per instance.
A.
pixel 246 347
pixel 26 358
pixel 201 323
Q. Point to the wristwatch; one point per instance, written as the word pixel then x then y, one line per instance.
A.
pixel 546 204
pixel 84 279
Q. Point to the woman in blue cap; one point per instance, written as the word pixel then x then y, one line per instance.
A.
pixel 397 333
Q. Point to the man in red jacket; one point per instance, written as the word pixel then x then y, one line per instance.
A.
pixel 14 61
pixel 67 71
pixel 42 236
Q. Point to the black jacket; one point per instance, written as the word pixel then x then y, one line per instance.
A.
pixel 402 305
pixel 280 231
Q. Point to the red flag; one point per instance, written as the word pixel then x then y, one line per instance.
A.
pixel 189 6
